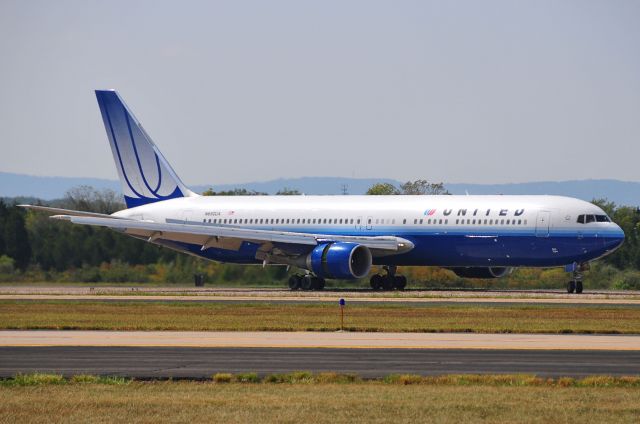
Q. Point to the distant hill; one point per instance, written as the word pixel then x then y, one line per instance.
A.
pixel 620 192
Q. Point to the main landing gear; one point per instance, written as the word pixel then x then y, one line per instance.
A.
pixel 575 285
pixel 306 282
pixel 389 281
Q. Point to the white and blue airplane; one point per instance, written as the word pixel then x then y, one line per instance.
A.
pixel 342 237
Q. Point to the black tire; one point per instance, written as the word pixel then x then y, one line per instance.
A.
pixel 571 286
pixel 294 282
pixel 578 287
pixel 400 282
pixel 388 283
pixel 321 283
pixel 376 282
pixel 306 282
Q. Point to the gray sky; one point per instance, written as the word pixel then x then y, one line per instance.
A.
pixel 238 91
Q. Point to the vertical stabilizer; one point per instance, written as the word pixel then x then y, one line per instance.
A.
pixel 145 174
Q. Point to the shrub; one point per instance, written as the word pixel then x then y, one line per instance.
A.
pixel 250 377
pixel 222 377
pixel 36 379
pixel 7 265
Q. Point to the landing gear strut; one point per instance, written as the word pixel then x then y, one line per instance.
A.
pixel 575 285
pixel 389 281
pixel 306 282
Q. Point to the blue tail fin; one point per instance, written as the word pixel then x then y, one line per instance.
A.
pixel 145 174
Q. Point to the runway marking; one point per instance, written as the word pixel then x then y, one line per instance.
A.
pixel 324 299
pixel 353 340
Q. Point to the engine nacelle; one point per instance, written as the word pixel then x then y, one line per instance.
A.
pixel 340 260
pixel 478 272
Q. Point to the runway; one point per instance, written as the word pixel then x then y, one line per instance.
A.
pixel 170 354
pixel 201 363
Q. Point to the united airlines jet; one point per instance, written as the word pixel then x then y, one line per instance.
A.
pixel 343 237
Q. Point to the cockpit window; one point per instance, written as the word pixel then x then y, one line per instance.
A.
pixel 587 219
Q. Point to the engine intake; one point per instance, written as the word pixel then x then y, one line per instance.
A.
pixel 478 272
pixel 340 260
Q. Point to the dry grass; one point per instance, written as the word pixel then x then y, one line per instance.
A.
pixel 260 316
pixel 368 402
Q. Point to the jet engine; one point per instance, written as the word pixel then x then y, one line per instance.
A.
pixel 339 260
pixel 479 272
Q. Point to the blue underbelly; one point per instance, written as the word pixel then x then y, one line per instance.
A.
pixel 453 250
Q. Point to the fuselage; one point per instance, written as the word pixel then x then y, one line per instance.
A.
pixel 448 231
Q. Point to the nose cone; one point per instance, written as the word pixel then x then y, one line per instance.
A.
pixel 616 239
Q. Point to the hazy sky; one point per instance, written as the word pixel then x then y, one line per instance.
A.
pixel 238 91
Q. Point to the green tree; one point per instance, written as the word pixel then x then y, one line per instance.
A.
pixel 422 187
pixel 383 189
pixel 16 240
pixel 288 192
pixel 234 192
pixel 86 198
pixel 417 187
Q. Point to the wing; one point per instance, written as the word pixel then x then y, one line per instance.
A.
pixel 66 211
pixel 232 237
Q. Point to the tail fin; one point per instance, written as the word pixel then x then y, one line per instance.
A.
pixel 145 174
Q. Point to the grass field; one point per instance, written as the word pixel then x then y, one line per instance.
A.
pixel 261 316
pixel 87 401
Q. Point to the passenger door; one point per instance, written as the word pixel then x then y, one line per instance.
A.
pixel 542 224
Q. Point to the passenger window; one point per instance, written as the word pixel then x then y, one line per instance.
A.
pixel 440 222
pixel 358 221
pixel 519 221
pixel 507 222
pixel 393 221
pixel 473 222
pixel 404 221
pixel 415 221
pixel 446 221
pixel 352 220
pixel 421 221
pixel 525 222
pixel 369 221
pixel 468 221
pixel 502 222
pixel 457 221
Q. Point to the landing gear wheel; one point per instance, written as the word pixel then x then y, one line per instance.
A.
pixel 387 283
pixel 294 282
pixel 400 282
pixel 571 286
pixel 317 283
pixel 578 287
pixel 376 282
pixel 307 282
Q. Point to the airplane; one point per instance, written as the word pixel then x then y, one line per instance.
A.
pixel 343 237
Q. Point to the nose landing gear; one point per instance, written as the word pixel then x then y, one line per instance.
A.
pixel 575 285
pixel 389 281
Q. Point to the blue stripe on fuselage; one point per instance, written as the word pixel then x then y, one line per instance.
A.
pixel 456 247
